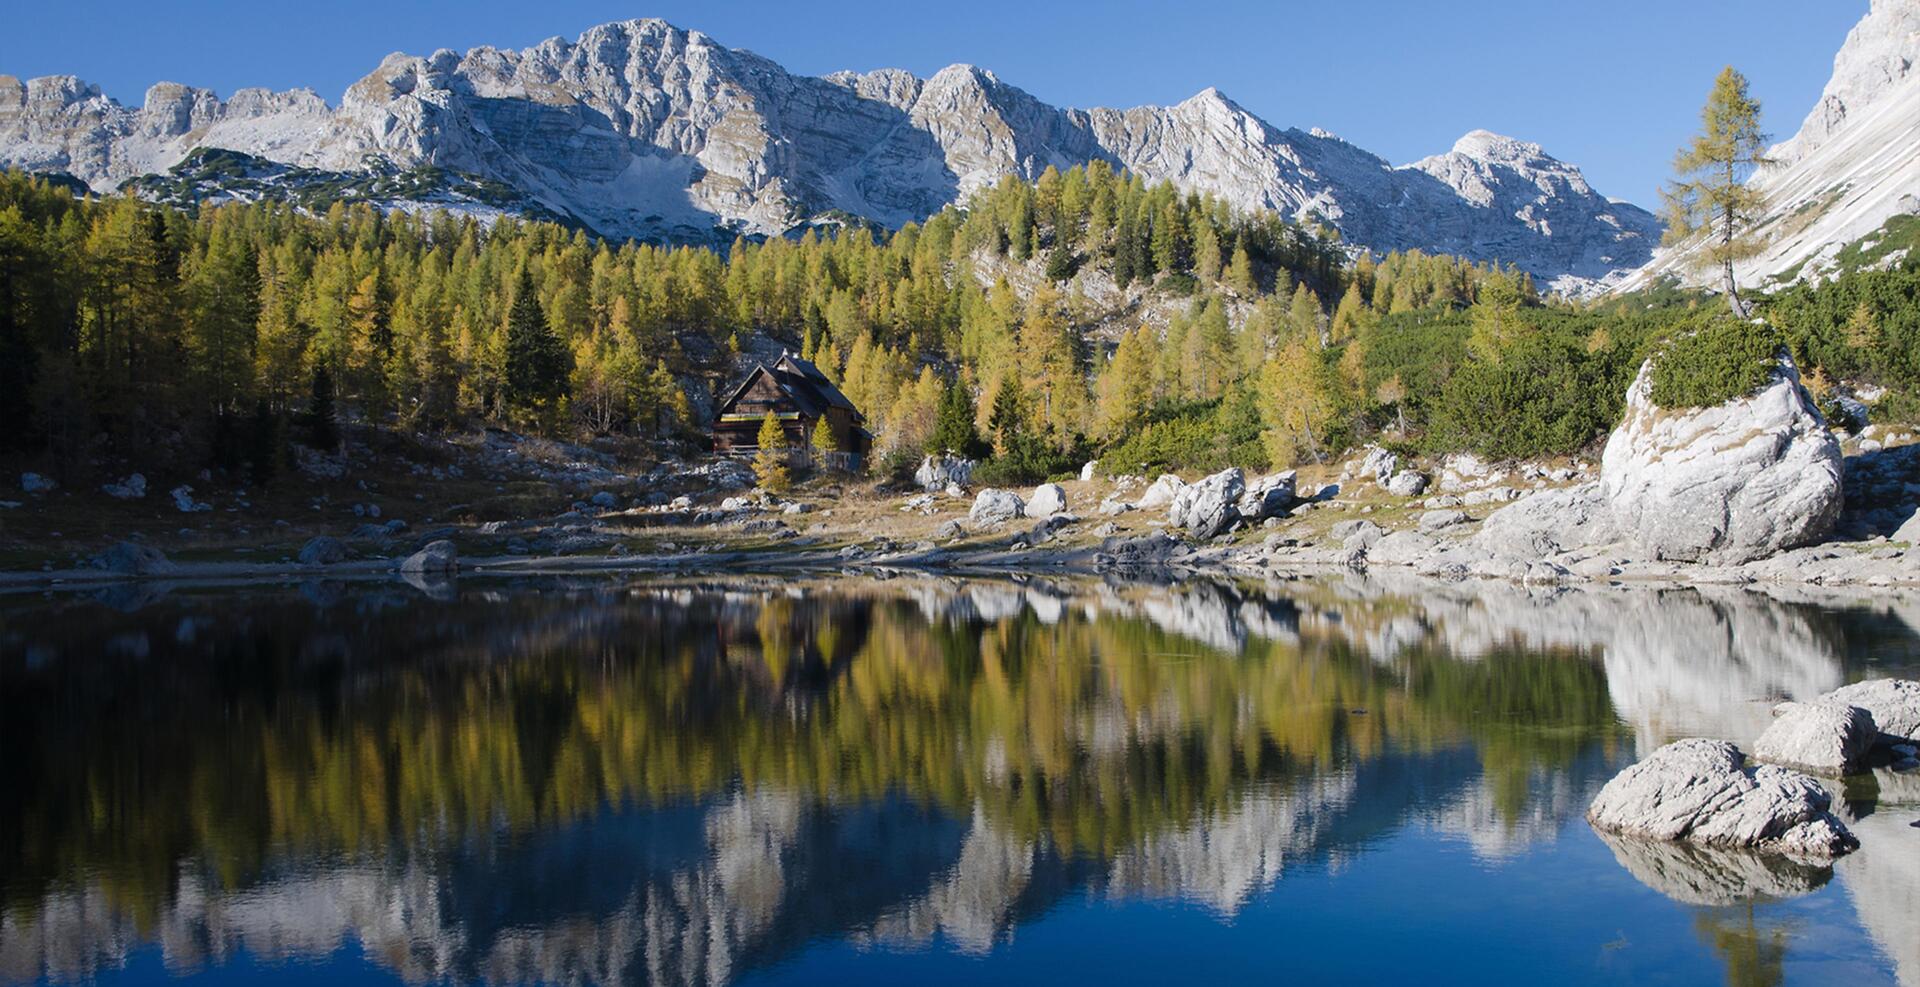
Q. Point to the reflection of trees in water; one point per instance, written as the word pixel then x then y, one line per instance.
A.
pixel 1755 956
pixel 1187 741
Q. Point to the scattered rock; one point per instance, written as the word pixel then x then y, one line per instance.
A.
pixel 34 483
pixel 1407 483
pixel 132 488
pixel 183 500
pixel 1087 469
pixel 1822 737
pixel 1047 500
pixel 940 472
pixel 133 559
pixel 1728 484
pixel 1113 507
pixel 995 506
pixel 1379 465
pixel 437 557
pixel 1208 508
pixel 950 529
pixel 1356 531
pixel 1701 791
pixel 1161 493
pixel 1436 520
pixel 322 551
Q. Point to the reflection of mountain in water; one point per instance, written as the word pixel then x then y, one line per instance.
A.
pixel 681 784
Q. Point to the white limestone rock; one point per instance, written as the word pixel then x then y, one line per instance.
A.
pixel 1701 791
pixel 1407 483
pixel 1208 508
pixel 995 506
pixel 1894 705
pixel 436 558
pixel 1161 492
pixel 1268 497
pixel 1047 500
pixel 1549 522
pixel 1728 484
pixel 940 472
pixel 1822 737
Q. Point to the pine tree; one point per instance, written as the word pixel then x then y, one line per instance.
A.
pixel 537 362
pixel 770 462
pixel 323 431
pixel 1710 196
pixel 1059 260
pixel 825 443
pixel 1240 275
pixel 953 429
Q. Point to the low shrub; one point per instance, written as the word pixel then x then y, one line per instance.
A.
pixel 1714 360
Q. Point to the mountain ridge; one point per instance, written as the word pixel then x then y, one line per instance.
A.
pixel 639 128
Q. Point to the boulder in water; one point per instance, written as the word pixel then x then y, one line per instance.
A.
pixel 133 559
pixel 1701 791
pixel 1728 484
pixel 1893 703
pixel 1822 737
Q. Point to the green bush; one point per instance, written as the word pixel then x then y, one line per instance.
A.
pixel 1200 435
pixel 1545 397
pixel 1712 361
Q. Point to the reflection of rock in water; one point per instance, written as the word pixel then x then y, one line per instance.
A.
pixel 1883 876
pixel 1229 855
pixel 1493 827
pixel 972 903
pixel 1696 875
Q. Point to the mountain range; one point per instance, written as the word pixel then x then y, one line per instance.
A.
pixel 641 129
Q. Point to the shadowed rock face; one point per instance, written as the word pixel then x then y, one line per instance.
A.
pixel 640 128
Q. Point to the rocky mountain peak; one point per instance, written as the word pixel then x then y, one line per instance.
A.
pixel 639 128
pixel 1876 59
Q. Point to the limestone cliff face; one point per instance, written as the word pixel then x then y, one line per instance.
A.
pixel 639 128
pixel 1853 165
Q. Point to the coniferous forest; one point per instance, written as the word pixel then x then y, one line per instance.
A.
pixel 1085 314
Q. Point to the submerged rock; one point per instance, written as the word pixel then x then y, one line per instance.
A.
pixel 1728 484
pixel 1823 737
pixel 995 506
pixel 1208 508
pixel 1701 791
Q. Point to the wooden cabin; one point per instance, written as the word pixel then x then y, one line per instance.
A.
pixel 798 395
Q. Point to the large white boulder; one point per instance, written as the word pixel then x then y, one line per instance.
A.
pixel 1894 705
pixel 1822 737
pixel 1701 791
pixel 995 506
pixel 1728 484
pixel 1161 492
pixel 1208 508
pixel 1048 499
pixel 437 558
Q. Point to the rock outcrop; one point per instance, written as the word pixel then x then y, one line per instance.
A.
pixel 1894 705
pixel 1701 791
pixel 322 550
pixel 1270 496
pixel 940 472
pixel 1548 523
pixel 639 128
pixel 1208 508
pixel 1727 484
pixel 1822 737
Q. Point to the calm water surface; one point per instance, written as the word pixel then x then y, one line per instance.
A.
pixel 761 781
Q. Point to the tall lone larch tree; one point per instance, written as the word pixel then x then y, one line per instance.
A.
pixel 1710 197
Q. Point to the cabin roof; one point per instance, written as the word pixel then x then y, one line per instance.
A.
pixel 802 382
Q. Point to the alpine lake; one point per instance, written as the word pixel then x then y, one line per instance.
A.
pixel 916 780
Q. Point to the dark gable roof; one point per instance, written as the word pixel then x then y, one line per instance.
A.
pixel 811 391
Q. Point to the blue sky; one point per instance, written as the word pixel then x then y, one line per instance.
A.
pixel 1613 86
